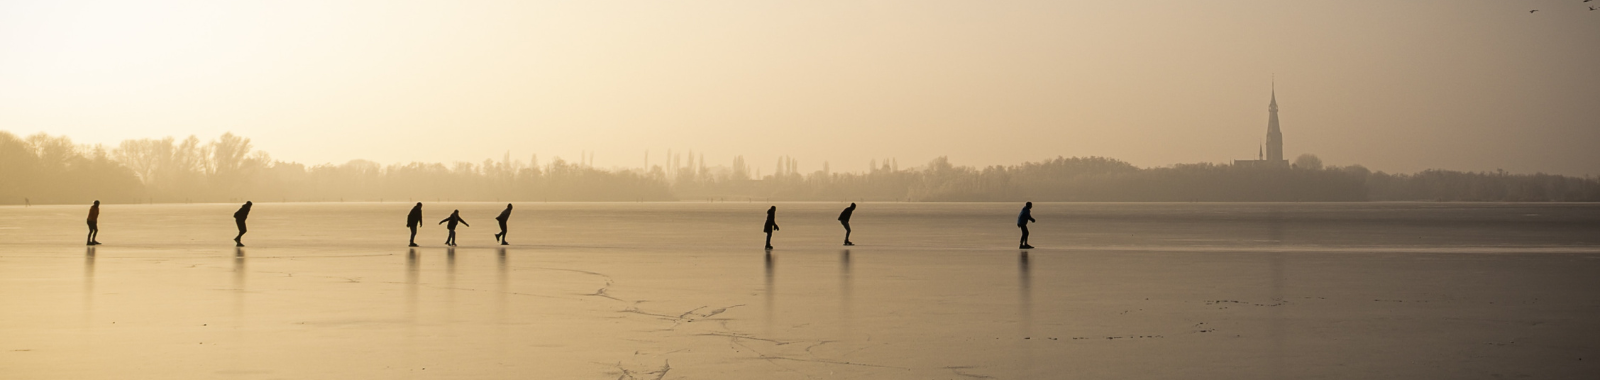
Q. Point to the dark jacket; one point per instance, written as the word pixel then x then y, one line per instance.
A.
pixel 845 216
pixel 504 215
pixel 455 217
pixel 772 222
pixel 1025 217
pixel 415 218
pixel 244 212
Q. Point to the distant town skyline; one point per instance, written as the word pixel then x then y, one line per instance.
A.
pixel 1399 87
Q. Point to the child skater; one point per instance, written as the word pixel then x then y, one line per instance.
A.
pixel 455 217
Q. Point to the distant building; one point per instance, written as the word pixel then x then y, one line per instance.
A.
pixel 1272 153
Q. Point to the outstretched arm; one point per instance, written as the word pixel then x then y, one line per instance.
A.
pixel 445 220
pixel 464 223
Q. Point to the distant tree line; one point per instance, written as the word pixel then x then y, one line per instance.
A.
pixel 45 169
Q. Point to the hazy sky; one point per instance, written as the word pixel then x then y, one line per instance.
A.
pixel 1394 85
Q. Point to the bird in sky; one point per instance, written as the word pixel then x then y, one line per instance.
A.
pixel 1536 10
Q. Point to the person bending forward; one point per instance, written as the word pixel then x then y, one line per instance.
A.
pixel 844 218
pixel 413 221
pixel 504 216
pixel 238 219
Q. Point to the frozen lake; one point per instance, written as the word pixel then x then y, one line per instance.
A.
pixel 685 291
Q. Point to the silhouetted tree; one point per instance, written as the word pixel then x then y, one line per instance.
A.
pixel 1308 161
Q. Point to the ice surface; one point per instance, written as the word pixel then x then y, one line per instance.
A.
pixel 684 290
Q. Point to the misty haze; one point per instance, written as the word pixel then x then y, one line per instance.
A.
pixel 769 190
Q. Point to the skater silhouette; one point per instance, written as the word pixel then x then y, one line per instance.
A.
pixel 772 224
pixel 94 223
pixel 238 218
pixel 504 215
pixel 413 221
pixel 1022 222
pixel 455 217
pixel 844 218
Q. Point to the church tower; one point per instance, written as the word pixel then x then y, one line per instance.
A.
pixel 1274 136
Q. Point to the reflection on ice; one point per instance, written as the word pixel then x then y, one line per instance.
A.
pixel 1025 311
pixel 450 262
pixel 413 277
pixel 771 302
pixel 238 282
pixel 88 267
pixel 88 284
pixel 502 284
pixel 844 294
pixel 238 269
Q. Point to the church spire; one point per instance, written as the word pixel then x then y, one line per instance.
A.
pixel 1274 148
pixel 1274 105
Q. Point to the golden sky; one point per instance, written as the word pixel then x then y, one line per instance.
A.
pixel 1394 85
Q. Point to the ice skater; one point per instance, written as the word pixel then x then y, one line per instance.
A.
pixel 413 221
pixel 1022 222
pixel 455 217
pixel 504 216
pixel 772 224
pixel 238 218
pixel 844 218
pixel 94 223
